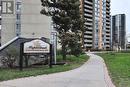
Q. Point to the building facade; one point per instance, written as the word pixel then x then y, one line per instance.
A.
pixel 0 23
pixel 24 21
pixel 89 20
pixel 97 24
pixel 119 31
pixel 128 42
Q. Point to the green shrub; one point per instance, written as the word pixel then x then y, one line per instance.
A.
pixel 11 55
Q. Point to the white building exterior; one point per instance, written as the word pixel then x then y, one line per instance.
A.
pixel 26 21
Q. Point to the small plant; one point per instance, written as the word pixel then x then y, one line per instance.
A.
pixel 10 57
pixel 8 61
pixel 111 53
pixel 59 52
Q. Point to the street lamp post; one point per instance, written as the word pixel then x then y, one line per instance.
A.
pixel 54 42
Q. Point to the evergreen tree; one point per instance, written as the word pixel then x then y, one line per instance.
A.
pixel 67 21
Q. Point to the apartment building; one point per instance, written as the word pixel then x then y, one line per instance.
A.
pixel 0 23
pixel 97 24
pixel 22 18
pixel 89 21
pixel 128 42
pixel 119 31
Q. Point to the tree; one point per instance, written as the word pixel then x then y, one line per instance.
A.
pixel 66 20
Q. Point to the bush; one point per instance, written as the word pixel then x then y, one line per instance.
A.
pixel 11 55
pixel 112 53
pixel 125 51
pixel 59 52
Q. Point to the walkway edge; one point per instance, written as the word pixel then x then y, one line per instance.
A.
pixel 107 78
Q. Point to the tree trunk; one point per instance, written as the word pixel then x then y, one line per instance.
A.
pixel 63 52
pixel 26 61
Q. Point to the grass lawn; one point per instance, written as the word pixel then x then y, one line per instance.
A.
pixel 119 68
pixel 73 62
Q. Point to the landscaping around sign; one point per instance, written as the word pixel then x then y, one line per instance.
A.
pixel 72 63
pixel 34 47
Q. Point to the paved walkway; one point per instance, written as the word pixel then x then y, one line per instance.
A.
pixel 92 74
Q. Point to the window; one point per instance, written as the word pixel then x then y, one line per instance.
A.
pixel 18 5
pixel 18 16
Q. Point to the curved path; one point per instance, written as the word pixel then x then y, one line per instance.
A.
pixel 92 74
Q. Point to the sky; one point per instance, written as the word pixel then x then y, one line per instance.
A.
pixel 122 7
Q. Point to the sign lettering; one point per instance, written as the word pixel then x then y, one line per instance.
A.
pixel 7 7
pixel 36 46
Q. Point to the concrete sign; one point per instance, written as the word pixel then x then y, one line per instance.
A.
pixel 36 46
pixel 7 7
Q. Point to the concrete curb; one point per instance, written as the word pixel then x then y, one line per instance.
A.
pixel 107 78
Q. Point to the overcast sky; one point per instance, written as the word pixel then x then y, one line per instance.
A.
pixel 122 7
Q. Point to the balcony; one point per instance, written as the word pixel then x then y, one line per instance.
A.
pixel 107 11
pixel 90 41
pixel 90 24
pixel 107 30
pixel 108 4
pixel 86 36
pixel 86 10
pixel 90 7
pixel 107 26
pixel 88 15
pixel 89 20
pixel 108 42
pixel 88 45
pixel 89 29
pixel 88 32
pixel 108 23
pixel 88 2
pixel 108 46
pixel 107 38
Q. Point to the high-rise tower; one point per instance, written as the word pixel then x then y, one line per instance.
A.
pixel 119 31
pixel 97 24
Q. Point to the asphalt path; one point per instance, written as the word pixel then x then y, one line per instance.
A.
pixel 92 74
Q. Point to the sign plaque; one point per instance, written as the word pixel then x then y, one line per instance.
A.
pixel 36 46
